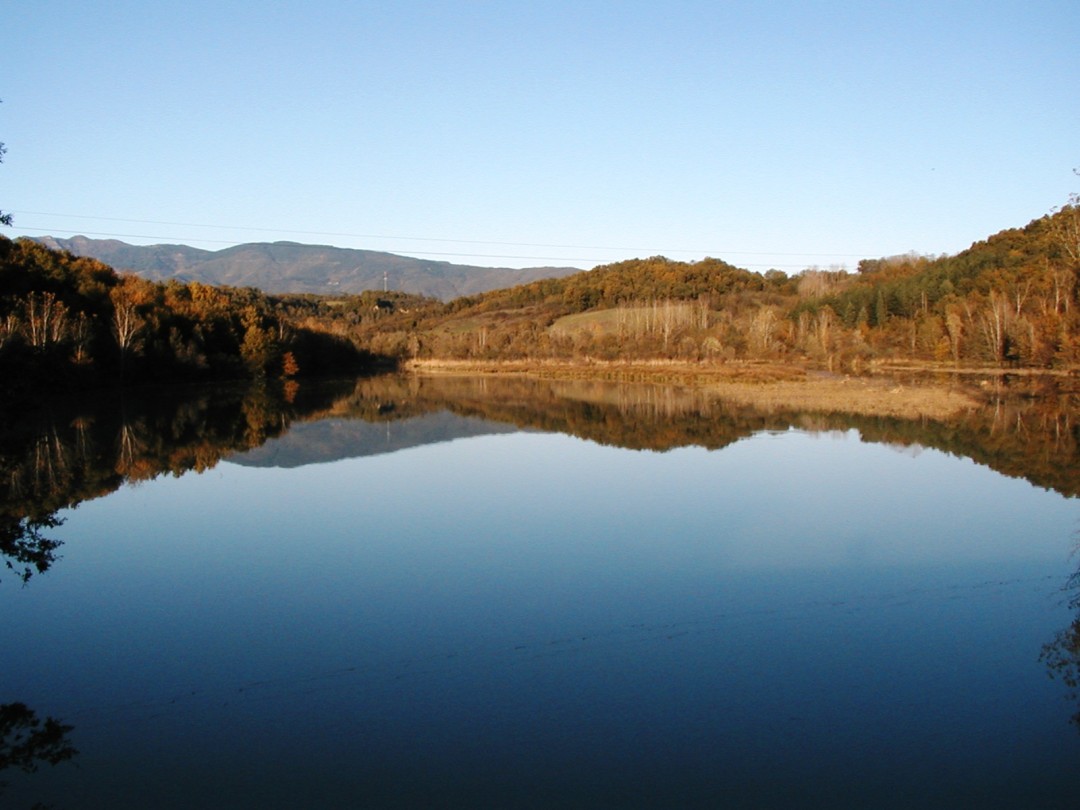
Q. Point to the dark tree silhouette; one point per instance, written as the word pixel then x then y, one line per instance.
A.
pixel 24 546
pixel 27 742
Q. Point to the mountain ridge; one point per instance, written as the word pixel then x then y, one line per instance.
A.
pixel 293 267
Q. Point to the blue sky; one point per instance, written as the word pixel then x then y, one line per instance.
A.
pixel 768 134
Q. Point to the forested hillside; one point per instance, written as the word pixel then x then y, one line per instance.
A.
pixel 67 321
pixel 1009 300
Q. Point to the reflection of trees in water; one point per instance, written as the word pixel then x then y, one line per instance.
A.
pixel 1061 655
pixel 57 457
pixel 27 742
pixel 661 402
pixel 23 545
pixel 131 450
pixel 52 461
pixel 1062 659
pixel 1029 427
pixel 60 454
pixel 1029 430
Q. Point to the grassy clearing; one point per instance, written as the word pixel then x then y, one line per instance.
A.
pixel 596 322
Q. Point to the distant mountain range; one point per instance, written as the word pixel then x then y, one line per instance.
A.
pixel 290 267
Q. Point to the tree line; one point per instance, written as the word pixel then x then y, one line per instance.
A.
pixel 68 321
pixel 1011 300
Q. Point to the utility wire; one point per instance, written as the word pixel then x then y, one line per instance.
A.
pixel 645 250
pixel 566 260
pixel 234 242
pixel 406 251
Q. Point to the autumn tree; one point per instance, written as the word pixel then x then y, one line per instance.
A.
pixel 1065 225
pixel 258 342
pixel 130 299
pixel 289 366
pixel 45 319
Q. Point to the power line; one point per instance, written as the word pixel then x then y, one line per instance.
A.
pixel 402 252
pixel 646 250
pixel 233 242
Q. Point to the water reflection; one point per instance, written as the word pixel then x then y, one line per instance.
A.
pixel 1029 429
pixel 428 615
pixel 1062 659
pixel 27 742
pixel 1061 655
pixel 65 452
pixel 57 456
pixel 23 546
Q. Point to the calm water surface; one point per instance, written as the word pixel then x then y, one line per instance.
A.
pixel 492 617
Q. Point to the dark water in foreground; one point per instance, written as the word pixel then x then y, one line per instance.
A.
pixel 401 603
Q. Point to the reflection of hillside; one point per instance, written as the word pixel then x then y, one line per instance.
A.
pixel 62 454
pixel 379 415
pixel 1028 429
pixel 339 438
pixel 66 452
pixel 631 415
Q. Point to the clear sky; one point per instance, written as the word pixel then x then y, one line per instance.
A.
pixel 768 134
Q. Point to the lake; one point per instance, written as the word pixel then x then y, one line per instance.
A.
pixel 474 592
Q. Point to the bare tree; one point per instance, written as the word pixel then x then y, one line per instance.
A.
pixel 763 329
pixel 993 324
pixel 128 297
pixel 1065 225
pixel 954 328
pixel 44 319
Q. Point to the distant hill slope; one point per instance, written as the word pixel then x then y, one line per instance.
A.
pixel 290 267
